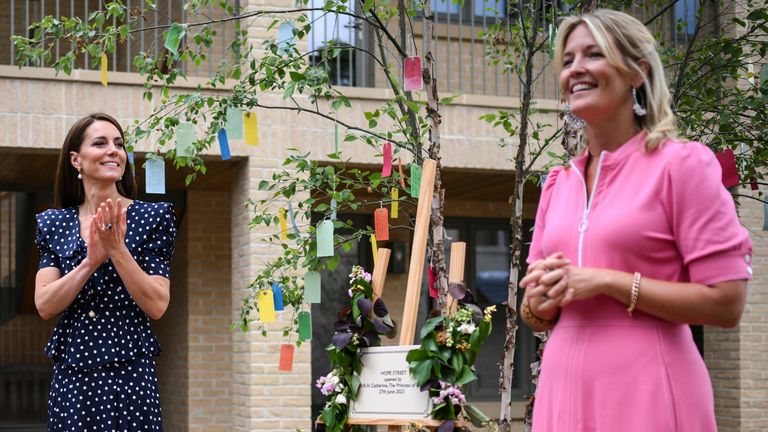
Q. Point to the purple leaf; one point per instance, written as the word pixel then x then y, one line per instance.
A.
pixel 381 326
pixel 369 338
pixel 340 340
pixel 477 313
pixel 379 309
pixel 457 290
pixel 447 426
pixel 469 298
pixel 433 383
pixel 365 306
pixel 341 326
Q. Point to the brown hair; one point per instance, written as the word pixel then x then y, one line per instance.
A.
pixel 68 191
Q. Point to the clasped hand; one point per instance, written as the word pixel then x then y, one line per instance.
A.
pixel 107 231
pixel 553 282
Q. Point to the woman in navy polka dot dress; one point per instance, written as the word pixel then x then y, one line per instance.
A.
pixel 104 268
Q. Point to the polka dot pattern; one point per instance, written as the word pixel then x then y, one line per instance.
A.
pixel 118 396
pixel 103 335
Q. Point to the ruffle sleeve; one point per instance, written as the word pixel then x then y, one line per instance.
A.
pixel 713 244
pixel 158 248
pixel 536 252
pixel 57 236
pixel 47 257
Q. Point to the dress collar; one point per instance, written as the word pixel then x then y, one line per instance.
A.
pixel 613 158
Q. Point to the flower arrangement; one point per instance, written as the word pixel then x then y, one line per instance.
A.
pixel 359 325
pixel 444 363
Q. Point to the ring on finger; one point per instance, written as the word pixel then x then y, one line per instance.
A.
pixel 109 227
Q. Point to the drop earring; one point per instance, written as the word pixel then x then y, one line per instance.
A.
pixel 79 176
pixel 573 120
pixel 636 107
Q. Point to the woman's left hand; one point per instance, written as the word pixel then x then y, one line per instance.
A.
pixel 564 285
pixel 111 226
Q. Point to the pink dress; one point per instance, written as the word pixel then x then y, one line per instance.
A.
pixel 666 215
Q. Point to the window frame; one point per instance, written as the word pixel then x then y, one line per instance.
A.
pixel 526 343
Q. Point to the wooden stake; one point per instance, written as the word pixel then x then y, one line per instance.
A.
pixel 380 271
pixel 456 272
pixel 418 252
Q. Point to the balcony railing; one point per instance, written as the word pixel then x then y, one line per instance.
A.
pixel 459 48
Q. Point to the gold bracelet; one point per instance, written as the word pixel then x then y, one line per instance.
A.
pixel 634 293
pixel 535 323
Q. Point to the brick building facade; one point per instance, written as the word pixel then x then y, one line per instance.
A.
pixel 214 379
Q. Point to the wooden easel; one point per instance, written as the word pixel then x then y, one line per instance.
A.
pixel 415 277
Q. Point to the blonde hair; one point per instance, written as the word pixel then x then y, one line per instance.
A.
pixel 626 43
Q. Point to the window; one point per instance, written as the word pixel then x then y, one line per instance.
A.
pixel 685 17
pixel 487 276
pixel 478 8
pixel 341 68
pixel 16 251
pixel 333 300
pixel 344 33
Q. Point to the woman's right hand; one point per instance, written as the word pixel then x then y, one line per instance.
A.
pixel 96 253
pixel 545 282
pixel 541 267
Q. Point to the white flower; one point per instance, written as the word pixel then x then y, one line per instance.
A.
pixel 341 399
pixel 467 328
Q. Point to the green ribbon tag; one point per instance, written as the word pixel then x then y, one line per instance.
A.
pixel 312 287
pixel 305 326
pixel 415 180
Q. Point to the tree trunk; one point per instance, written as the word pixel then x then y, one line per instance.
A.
pixel 516 237
pixel 437 247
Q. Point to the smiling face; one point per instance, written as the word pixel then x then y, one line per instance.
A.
pixel 596 90
pixel 102 155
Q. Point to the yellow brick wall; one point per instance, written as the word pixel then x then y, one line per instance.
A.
pixel 249 394
pixel 753 330
pixel 173 334
pixel 209 296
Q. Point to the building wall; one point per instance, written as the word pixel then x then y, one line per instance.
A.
pixel 235 384
pixel 210 340
pixel 23 338
pixel 172 331
pixel 753 331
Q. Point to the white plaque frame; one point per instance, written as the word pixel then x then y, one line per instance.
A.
pixel 387 389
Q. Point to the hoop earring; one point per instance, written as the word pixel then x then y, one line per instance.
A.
pixel 573 120
pixel 636 107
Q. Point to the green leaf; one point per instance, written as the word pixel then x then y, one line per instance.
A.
pixel 445 354
pixel 430 325
pixel 354 384
pixel 457 362
pixel 466 376
pixel 174 36
pixel 475 416
pixel 417 354
pixel 422 371
pixel 333 262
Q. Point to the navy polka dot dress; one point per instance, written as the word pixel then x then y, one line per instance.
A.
pixel 104 376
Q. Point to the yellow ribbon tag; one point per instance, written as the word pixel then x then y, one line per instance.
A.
pixel 283 225
pixel 266 305
pixel 251 129
pixel 104 67
pixel 395 203
pixel 374 248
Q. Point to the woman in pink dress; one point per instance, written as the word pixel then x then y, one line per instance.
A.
pixel 634 240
